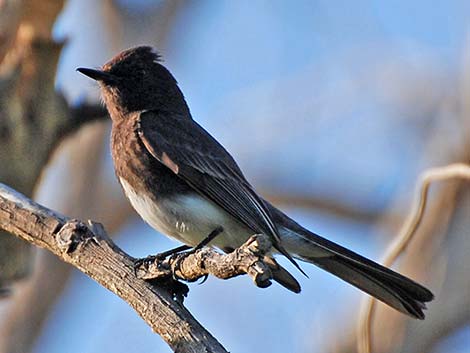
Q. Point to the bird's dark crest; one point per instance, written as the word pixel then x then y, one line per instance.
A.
pixel 142 54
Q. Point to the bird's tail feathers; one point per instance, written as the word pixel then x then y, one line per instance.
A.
pixel 281 275
pixel 386 285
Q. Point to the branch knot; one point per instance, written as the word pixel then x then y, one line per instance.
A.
pixel 73 234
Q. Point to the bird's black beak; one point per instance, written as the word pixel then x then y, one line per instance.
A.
pixel 98 75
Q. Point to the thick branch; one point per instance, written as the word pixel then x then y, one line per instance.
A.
pixel 96 255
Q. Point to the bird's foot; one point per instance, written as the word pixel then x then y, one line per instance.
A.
pixel 145 263
pixel 156 270
pixel 154 260
pixel 161 269
pixel 179 252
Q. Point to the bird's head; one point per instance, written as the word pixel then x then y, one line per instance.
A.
pixel 135 80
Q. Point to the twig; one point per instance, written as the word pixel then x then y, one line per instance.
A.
pixel 92 252
pixel 452 171
pixel 247 259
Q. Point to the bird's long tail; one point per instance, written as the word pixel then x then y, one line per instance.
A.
pixel 388 286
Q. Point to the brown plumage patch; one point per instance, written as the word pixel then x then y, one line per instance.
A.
pixel 169 163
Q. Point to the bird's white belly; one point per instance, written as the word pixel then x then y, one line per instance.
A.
pixel 188 219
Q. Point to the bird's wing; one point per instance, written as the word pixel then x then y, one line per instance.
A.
pixel 196 157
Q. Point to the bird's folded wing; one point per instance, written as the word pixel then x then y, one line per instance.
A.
pixel 195 156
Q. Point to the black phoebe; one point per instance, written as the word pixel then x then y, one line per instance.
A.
pixel 186 185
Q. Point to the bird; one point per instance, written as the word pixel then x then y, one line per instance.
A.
pixel 186 185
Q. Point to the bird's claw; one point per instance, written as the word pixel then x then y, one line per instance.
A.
pixel 144 263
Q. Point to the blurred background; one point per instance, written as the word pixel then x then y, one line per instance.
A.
pixel 332 109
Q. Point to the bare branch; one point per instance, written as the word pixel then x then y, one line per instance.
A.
pixel 98 257
pixel 452 171
pixel 247 259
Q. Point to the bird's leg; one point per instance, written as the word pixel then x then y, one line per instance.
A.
pixel 160 256
pixel 212 235
pixel 175 251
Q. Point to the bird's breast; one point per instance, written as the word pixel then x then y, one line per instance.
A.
pixel 188 218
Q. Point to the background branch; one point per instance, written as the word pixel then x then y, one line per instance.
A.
pixel 458 170
pixel 73 183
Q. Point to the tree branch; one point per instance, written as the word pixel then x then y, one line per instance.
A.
pixel 247 259
pixel 93 253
